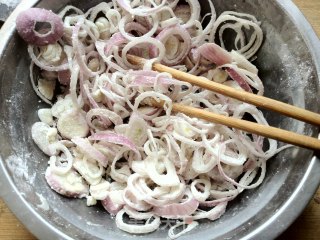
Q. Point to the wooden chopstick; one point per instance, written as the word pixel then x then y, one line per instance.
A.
pixel 260 101
pixel 247 126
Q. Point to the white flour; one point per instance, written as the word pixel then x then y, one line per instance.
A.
pixel 44 204
pixel 10 3
pixel 18 167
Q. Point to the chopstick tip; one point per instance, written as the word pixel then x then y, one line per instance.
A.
pixel 135 59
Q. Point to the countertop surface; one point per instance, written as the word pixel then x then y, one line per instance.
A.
pixel 307 226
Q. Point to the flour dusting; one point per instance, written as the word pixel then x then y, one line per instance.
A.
pixel 93 224
pixel 44 203
pixel 18 167
pixel 19 170
pixel 10 3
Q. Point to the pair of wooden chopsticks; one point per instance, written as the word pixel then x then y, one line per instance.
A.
pixel 247 126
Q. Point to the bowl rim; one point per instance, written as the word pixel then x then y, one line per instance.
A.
pixel 299 199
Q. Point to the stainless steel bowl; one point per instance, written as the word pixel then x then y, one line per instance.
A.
pixel 289 64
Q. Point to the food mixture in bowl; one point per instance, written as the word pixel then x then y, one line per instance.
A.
pixel 105 141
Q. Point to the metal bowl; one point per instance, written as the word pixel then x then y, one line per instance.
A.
pixel 289 66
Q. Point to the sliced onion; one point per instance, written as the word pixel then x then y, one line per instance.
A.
pixel 149 80
pixel 183 12
pixel 110 206
pixel 215 54
pixel 190 226
pixel 144 40
pixel 90 151
pixel 239 78
pixel 79 51
pixel 238 160
pixel 137 130
pixel 137 215
pixel 89 170
pixel 140 11
pixel 169 179
pixel 131 200
pixel 164 35
pixel 135 26
pixel 120 175
pixel 44 65
pixel 101 7
pixel 64 168
pixel 239 24
pixel 242 62
pixel 26 23
pixel 138 167
pixel 116 40
pixel 246 185
pixel 156 96
pixel 195 12
pixel 88 94
pixel 70 185
pixel 213 214
pixel 213 203
pixel 203 161
pixel 226 190
pixel 125 26
pixel 116 139
pixel 73 85
pixel 232 171
pixel 212 19
pixel 100 191
pixel 150 226
pixel 43 135
pixel 245 77
pixel 177 210
pixel 68 8
pixel 104 114
pixel 201 196
pixel 163 164
pixel 139 188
